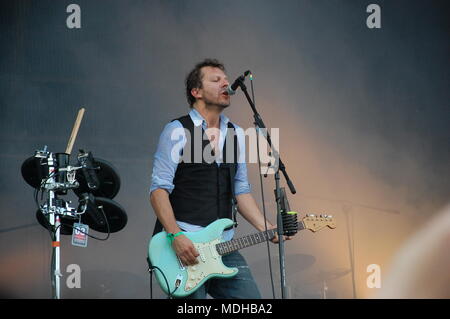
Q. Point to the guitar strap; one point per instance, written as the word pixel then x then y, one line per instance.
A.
pixel 232 167
pixel 233 195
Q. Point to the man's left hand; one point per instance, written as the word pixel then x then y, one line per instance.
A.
pixel 275 239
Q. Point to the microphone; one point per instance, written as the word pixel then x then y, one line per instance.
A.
pixel 87 163
pixel 231 89
pixel 89 205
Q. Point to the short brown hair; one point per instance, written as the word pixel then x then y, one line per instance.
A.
pixel 194 78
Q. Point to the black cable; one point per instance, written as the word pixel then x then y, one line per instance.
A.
pixel 94 237
pixel 262 194
pixel 150 270
pixel 151 267
pixel 52 232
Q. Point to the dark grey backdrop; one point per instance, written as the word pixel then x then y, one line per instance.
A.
pixel 363 117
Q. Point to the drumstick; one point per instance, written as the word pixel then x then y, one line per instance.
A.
pixel 76 126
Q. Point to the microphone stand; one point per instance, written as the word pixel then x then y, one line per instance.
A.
pixel 278 193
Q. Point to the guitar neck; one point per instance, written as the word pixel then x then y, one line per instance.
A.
pixel 249 240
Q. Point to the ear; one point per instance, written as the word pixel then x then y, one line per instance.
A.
pixel 196 92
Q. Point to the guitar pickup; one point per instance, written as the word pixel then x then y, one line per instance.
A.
pixel 180 263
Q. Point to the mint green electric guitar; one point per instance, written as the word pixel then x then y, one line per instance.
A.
pixel 180 280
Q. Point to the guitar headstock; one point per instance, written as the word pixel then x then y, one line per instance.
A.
pixel 315 223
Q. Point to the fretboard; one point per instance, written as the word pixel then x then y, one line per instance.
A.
pixel 249 240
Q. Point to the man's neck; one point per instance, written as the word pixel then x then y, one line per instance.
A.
pixel 211 114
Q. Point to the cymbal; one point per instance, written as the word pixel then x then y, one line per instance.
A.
pixel 33 172
pixel 115 215
pixel 66 223
pixel 107 176
pixel 329 275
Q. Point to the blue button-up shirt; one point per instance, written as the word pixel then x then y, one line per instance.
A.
pixel 168 153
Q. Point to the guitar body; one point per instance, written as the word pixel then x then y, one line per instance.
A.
pixel 190 278
pixel 184 280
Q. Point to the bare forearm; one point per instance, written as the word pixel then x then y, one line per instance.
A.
pixel 160 202
pixel 248 208
pixel 163 209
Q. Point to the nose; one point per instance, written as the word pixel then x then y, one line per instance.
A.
pixel 225 83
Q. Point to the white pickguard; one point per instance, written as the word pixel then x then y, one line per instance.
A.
pixel 209 262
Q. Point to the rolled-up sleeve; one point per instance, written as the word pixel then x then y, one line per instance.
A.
pixel 167 156
pixel 241 184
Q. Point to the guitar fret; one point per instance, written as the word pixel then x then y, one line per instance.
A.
pixel 247 241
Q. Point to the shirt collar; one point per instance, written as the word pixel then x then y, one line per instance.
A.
pixel 198 119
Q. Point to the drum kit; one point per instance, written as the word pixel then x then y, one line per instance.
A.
pixel 93 180
pixel 46 172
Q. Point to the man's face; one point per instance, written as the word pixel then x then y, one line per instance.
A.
pixel 214 87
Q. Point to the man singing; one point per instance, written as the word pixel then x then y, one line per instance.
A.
pixel 188 192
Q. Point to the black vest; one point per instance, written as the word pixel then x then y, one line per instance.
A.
pixel 204 192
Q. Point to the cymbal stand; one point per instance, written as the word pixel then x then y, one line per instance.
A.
pixel 60 178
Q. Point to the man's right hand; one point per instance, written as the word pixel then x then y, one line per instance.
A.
pixel 185 250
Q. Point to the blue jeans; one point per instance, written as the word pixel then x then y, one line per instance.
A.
pixel 241 286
